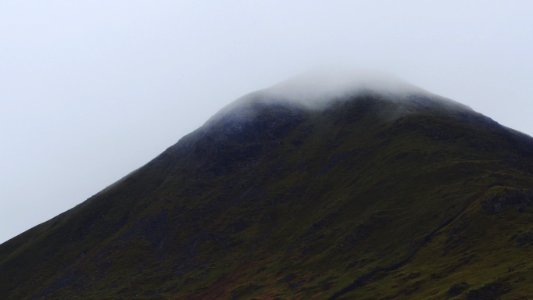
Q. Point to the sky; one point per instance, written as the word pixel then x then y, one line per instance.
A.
pixel 92 89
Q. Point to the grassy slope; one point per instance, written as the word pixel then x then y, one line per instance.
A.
pixel 357 201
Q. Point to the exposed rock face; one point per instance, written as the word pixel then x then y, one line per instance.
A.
pixel 519 200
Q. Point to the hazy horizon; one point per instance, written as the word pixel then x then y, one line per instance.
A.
pixel 92 90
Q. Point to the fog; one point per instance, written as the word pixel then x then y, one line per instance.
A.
pixel 91 90
pixel 316 90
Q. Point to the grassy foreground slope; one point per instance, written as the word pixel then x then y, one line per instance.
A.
pixel 369 198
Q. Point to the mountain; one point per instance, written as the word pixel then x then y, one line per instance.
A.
pixel 375 190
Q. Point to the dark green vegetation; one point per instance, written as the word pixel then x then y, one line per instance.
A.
pixel 366 199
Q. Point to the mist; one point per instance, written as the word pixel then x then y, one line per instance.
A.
pixel 318 89
pixel 91 90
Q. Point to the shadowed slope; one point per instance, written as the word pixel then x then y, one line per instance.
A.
pixel 369 197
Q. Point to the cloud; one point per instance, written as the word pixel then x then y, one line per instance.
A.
pixel 319 88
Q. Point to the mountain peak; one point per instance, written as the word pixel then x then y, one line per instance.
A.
pixel 319 90
pixel 316 89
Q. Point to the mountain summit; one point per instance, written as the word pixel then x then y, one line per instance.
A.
pixel 319 89
pixel 338 189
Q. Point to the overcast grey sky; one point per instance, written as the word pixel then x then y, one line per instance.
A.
pixel 92 89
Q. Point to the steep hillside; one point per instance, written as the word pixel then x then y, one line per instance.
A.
pixel 373 196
